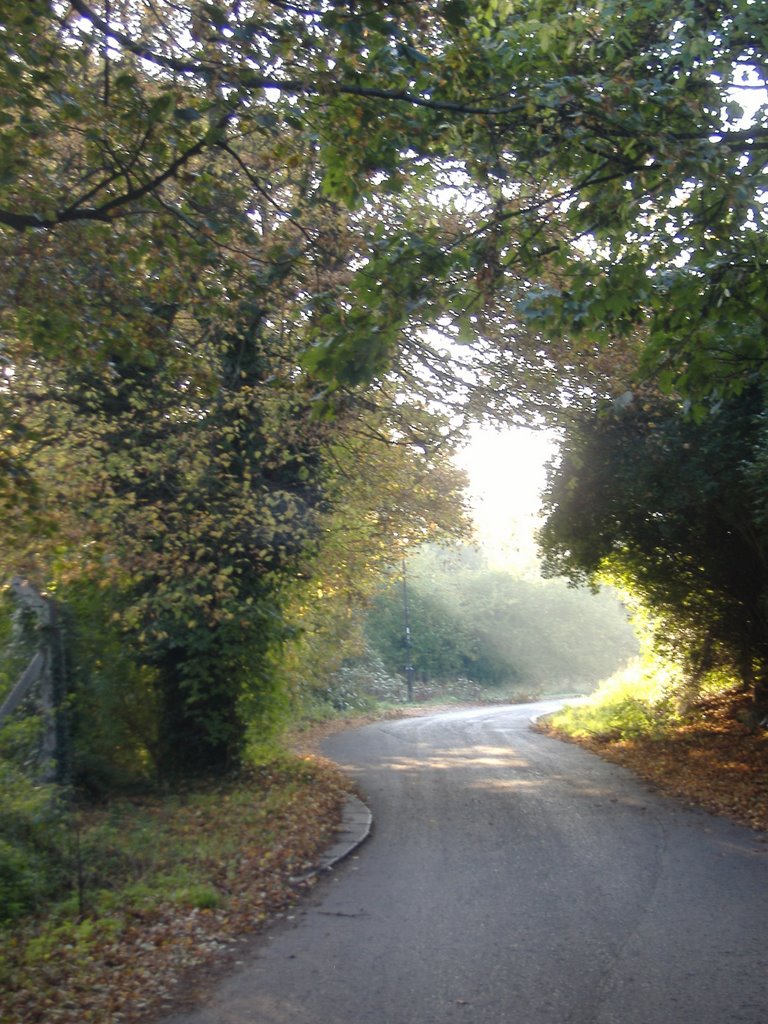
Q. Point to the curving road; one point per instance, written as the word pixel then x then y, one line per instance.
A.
pixel 514 879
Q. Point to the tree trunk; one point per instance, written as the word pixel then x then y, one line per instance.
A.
pixel 201 732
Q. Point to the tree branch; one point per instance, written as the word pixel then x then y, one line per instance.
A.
pixel 107 210
pixel 242 79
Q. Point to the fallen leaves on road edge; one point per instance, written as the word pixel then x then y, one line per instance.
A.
pixel 140 965
pixel 715 761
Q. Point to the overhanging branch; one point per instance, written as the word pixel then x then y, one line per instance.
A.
pixel 109 209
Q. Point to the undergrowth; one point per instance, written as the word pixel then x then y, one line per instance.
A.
pixel 163 869
pixel 645 698
pixel 364 686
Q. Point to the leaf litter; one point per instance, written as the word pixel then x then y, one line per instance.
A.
pixel 716 760
pixel 137 961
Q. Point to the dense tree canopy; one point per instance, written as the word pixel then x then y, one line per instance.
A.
pixel 517 170
pixel 674 511
pixel 239 237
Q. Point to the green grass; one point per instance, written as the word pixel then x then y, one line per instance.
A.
pixel 79 880
pixel 639 700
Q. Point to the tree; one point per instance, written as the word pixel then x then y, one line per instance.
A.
pixel 192 501
pixel 170 448
pixel 319 187
pixel 390 486
pixel 603 188
pixel 468 621
pixel 668 508
pixel 202 488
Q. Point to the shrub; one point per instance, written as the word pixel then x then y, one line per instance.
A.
pixel 33 844
pixel 641 699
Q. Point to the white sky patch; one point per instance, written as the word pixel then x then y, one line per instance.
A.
pixel 506 475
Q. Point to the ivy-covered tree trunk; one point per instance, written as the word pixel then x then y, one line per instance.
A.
pixel 201 731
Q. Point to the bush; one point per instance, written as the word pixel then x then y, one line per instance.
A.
pixel 642 699
pixel 19 882
pixel 357 686
pixel 33 844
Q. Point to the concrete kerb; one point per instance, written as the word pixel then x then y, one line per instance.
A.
pixel 354 828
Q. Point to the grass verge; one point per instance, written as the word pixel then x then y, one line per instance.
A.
pixel 163 885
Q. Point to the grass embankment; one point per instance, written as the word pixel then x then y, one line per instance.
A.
pixel 714 755
pixel 163 884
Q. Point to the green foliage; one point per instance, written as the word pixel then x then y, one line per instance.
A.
pixel 498 630
pixel 665 506
pixel 384 496
pixel 609 180
pixel 112 703
pixel 188 505
pixel 21 736
pixel 362 684
pixel 251 235
pixel 182 463
pixel 33 844
pixel 442 645
pixel 642 699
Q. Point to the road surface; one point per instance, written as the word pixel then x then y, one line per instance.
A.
pixel 513 879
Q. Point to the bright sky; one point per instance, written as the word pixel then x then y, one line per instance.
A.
pixel 506 473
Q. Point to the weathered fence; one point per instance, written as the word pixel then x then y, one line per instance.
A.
pixel 44 677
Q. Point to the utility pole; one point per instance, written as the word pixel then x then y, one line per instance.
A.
pixel 408 643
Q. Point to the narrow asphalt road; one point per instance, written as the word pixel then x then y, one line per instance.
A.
pixel 513 879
